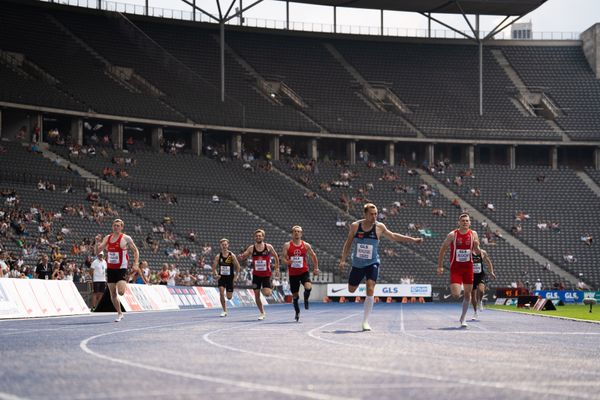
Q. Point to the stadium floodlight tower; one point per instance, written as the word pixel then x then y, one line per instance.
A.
pixel 515 9
pixel 222 20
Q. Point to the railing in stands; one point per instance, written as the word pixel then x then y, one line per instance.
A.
pixel 299 25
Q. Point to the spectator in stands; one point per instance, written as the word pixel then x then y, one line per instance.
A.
pixel 490 206
pixel 173 273
pixel 3 265
pixel 310 195
pixel 570 258
pixel 587 239
pixel 538 284
pixel 57 272
pixel 581 285
pixel 215 199
pixel 541 178
pixel 43 269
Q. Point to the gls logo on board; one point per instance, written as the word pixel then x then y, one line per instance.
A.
pixel 571 295
pixel 419 289
pixel 552 295
pixel 390 290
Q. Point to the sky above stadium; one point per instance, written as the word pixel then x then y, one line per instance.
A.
pixel 553 16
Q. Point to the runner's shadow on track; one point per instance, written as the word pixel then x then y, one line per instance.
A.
pixel 283 323
pixel 89 323
pixel 341 331
pixel 448 328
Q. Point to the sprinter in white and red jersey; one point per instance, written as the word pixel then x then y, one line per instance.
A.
pixel 294 255
pixel 462 242
pixel 262 272
pixel 116 246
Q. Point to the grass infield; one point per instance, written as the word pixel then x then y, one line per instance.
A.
pixel 578 311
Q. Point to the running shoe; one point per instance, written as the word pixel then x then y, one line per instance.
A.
pixel 366 326
pixel 475 317
pixel 261 316
pixel 463 324
pixel 119 317
pixel 224 314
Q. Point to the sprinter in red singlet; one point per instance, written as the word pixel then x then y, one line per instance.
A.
pixel 115 246
pixel 294 255
pixel 462 242
pixel 261 253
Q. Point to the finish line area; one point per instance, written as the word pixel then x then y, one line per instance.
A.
pixel 414 351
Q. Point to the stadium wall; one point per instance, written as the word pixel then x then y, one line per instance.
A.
pixel 591 47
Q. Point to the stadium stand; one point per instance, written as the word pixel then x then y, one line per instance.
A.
pixel 576 92
pixel 147 67
pixel 550 210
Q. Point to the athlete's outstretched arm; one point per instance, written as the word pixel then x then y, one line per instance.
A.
pixel 397 237
pixel 442 253
pixel 313 256
pixel 348 245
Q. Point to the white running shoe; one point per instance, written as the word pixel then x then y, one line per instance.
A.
pixel 119 317
pixel 261 316
pixel 481 305
pixel 224 314
pixel 366 326
pixel 475 317
pixel 463 324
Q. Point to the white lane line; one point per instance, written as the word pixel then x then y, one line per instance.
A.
pixel 312 335
pixel 9 396
pixel 402 319
pixel 495 385
pixel 238 383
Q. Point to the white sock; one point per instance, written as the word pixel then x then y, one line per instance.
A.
pixel 368 307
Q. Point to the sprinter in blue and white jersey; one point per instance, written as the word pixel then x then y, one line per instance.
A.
pixel 363 238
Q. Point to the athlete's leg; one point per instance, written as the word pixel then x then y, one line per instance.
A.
pixel 222 298
pixel 307 289
pixel 258 301
pixel 455 290
pixel 466 300
pixel 121 287
pixel 112 288
pixel 295 288
pixel 369 300
pixel 474 299
pixel 480 293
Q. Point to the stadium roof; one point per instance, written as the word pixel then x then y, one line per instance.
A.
pixel 482 7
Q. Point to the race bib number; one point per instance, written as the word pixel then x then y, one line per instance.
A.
pixel 113 257
pixel 477 268
pixel 260 265
pixel 225 270
pixel 463 255
pixel 364 251
pixel 297 262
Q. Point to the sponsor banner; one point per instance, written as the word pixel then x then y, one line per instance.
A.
pixel 381 290
pixel 22 298
pixel 567 296
pixel 500 301
pixel 592 295
pixel 147 298
pixel 185 297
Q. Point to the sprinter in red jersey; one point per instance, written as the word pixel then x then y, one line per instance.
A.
pixel 116 246
pixel 462 242
pixel 261 253
pixel 294 255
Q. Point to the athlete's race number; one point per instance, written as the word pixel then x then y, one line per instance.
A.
pixel 364 251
